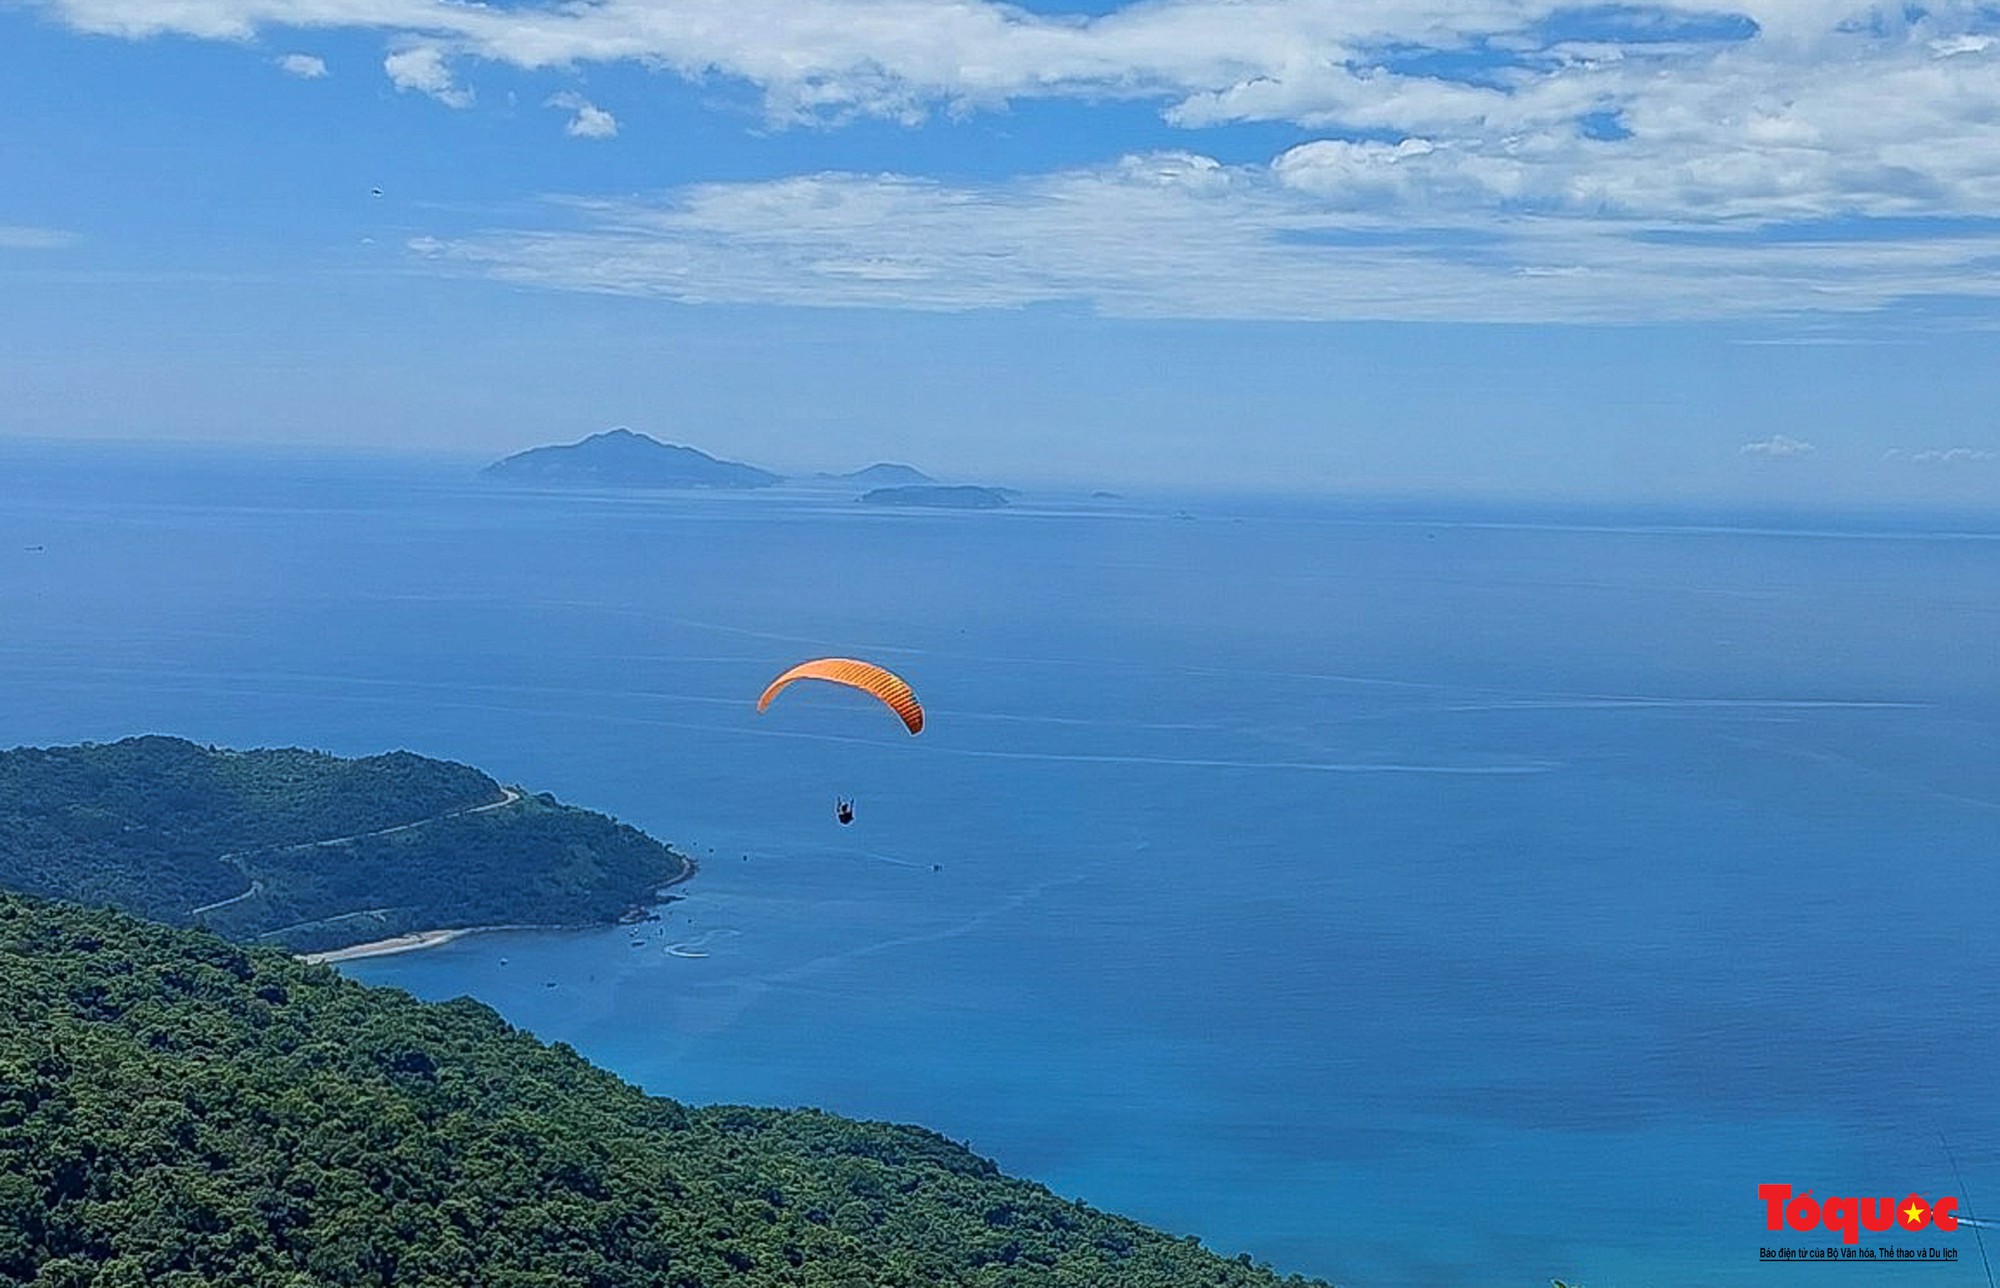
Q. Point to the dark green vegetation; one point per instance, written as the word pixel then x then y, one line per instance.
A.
pixel 309 850
pixel 180 1112
pixel 943 498
pixel 621 458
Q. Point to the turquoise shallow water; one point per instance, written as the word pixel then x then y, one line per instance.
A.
pixel 1404 895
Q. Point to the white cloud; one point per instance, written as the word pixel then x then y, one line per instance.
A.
pixel 589 122
pixel 1961 45
pixel 422 68
pixel 1778 446
pixel 1944 455
pixel 1760 108
pixel 1414 173
pixel 1641 143
pixel 304 66
pixel 23 237
pixel 1179 235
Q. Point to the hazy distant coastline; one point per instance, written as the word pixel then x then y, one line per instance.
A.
pixel 939 498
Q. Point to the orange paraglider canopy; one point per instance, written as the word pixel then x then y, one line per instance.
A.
pixel 865 676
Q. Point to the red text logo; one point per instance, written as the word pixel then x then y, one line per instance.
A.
pixel 1851 1216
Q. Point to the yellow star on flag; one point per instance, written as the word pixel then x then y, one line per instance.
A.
pixel 1913 1214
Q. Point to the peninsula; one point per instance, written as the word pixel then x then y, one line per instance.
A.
pixel 311 851
pixel 619 458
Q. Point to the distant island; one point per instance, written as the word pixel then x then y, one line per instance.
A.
pixel 943 498
pixel 883 474
pixel 621 458
pixel 180 1111
pixel 311 851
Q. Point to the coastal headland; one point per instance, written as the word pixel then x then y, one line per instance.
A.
pixel 313 852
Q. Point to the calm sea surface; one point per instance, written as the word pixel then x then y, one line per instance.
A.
pixel 1403 895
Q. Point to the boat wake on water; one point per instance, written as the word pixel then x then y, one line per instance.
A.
pixel 693 947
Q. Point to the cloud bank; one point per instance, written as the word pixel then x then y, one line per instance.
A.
pixel 1510 158
pixel 1181 235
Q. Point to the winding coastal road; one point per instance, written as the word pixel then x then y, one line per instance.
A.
pixel 508 796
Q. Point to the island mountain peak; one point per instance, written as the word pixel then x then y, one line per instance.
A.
pixel 622 457
pixel 884 474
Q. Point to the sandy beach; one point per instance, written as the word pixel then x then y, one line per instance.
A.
pixel 421 939
pixel 387 947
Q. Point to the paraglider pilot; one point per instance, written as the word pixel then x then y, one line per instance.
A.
pixel 843 809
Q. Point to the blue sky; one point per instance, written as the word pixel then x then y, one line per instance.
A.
pixel 1744 252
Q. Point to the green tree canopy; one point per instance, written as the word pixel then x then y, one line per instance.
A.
pixel 177 1111
pixel 309 850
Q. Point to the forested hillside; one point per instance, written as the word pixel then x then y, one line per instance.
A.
pixel 180 1112
pixel 306 849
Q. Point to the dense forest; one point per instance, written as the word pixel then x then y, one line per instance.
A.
pixel 177 1111
pixel 309 850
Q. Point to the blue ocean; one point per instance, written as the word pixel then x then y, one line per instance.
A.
pixel 1407 894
